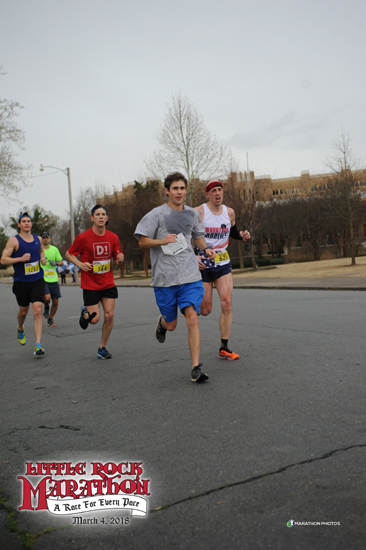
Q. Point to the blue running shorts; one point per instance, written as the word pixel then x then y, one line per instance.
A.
pixel 53 289
pixel 170 298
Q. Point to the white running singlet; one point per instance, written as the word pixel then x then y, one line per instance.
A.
pixel 217 231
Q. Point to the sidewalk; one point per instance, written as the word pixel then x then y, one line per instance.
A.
pixel 250 279
pixel 242 280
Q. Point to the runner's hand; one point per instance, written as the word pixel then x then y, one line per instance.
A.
pixel 245 235
pixel 43 261
pixel 25 257
pixel 210 253
pixel 171 238
pixel 120 256
pixel 86 266
pixel 201 265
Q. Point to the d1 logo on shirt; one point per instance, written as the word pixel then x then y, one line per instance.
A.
pixel 102 250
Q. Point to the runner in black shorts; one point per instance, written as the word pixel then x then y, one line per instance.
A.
pixel 96 247
pixel 25 254
pixel 219 224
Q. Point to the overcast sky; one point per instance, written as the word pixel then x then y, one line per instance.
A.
pixel 274 78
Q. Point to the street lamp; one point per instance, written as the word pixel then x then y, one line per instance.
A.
pixel 72 226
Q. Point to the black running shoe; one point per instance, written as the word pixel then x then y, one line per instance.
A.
pixel 46 312
pixel 103 353
pixel 51 322
pixel 197 375
pixel 160 332
pixel 82 321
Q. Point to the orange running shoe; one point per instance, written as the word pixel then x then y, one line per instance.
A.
pixel 226 353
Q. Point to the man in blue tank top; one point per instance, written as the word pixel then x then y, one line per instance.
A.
pixel 25 254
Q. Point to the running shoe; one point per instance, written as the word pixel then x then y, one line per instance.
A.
pixel 226 353
pixel 103 353
pixel 160 332
pixel 38 350
pixel 46 312
pixel 197 375
pixel 21 337
pixel 51 322
pixel 82 321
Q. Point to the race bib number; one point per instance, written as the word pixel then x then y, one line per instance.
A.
pixel 31 268
pixel 49 273
pixel 101 266
pixel 221 257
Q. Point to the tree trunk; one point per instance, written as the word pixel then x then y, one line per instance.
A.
pixel 352 238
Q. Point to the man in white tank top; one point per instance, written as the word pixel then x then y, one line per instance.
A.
pixel 219 223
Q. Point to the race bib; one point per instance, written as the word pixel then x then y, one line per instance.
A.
pixel 172 249
pixel 101 266
pixel 31 268
pixel 49 272
pixel 221 257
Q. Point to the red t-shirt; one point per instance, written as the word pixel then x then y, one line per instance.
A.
pixel 98 251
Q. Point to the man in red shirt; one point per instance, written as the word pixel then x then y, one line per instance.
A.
pixel 96 247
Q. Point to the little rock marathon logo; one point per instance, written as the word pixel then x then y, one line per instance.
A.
pixel 64 488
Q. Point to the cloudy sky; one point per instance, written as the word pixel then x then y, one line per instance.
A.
pixel 274 78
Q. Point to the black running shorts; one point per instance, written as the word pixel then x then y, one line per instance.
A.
pixel 211 274
pixel 93 297
pixel 27 292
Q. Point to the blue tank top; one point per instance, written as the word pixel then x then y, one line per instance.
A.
pixel 31 270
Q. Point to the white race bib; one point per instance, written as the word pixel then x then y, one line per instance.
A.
pixel 172 249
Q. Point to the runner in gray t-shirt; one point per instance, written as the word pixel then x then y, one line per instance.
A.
pixel 167 231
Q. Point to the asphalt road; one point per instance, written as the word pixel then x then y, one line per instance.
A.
pixel 277 436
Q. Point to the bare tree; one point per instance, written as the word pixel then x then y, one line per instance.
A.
pixel 188 146
pixel 13 175
pixel 342 187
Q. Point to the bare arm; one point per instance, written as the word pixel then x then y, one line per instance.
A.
pixel 201 243
pixel 120 257
pixel 10 247
pixel 201 211
pixel 245 235
pixel 148 242
pixel 85 266
pixel 43 257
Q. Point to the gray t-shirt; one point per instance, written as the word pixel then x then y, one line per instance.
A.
pixel 157 224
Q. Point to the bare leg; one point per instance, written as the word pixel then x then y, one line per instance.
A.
pixel 224 286
pixel 54 307
pixel 38 320
pixel 206 304
pixel 194 334
pixel 21 315
pixel 108 306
